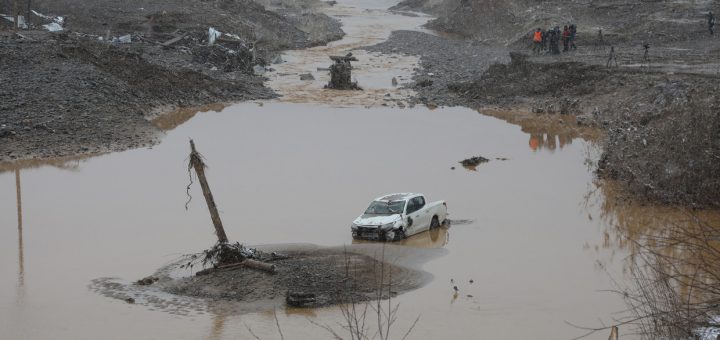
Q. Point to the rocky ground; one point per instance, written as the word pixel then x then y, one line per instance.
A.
pixel 84 90
pixel 660 118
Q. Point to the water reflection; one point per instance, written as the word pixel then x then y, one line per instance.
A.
pixel 71 163
pixel 548 132
pixel 436 238
pixel 539 141
pixel 170 120
pixel 638 226
pixel 21 255
pixel 218 324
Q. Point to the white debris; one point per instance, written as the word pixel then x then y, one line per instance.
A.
pixel 234 36
pixel 212 35
pixel 42 15
pixel 259 70
pixel 125 39
pixel 53 27
pixel 21 20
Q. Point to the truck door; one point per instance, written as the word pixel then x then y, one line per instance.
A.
pixel 418 215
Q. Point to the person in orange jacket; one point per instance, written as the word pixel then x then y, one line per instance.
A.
pixel 537 41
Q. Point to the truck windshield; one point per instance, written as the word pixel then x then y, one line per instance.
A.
pixel 385 208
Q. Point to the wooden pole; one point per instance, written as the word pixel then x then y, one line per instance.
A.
pixel 197 163
pixel 614 334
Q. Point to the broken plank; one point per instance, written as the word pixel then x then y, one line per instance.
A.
pixel 172 41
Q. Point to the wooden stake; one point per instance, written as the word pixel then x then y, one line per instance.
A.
pixel 614 333
pixel 197 163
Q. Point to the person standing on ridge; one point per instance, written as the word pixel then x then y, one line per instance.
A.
pixel 555 41
pixel 537 41
pixel 612 57
pixel 565 38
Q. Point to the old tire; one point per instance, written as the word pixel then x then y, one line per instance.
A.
pixel 435 223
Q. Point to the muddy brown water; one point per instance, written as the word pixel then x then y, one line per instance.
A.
pixel 532 229
pixel 287 173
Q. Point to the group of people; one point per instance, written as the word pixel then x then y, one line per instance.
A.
pixel 549 41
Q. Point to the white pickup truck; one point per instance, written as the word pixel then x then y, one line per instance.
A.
pixel 396 216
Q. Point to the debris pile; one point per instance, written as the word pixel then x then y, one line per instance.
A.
pixel 473 161
pixel 341 73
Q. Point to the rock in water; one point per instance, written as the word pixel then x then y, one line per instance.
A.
pixel 340 73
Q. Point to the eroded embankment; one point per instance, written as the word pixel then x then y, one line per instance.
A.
pixel 662 128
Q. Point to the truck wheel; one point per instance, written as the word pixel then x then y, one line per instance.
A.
pixel 435 223
pixel 400 235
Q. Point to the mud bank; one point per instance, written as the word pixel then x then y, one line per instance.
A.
pixel 325 275
pixel 74 92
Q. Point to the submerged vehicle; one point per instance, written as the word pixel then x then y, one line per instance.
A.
pixel 396 216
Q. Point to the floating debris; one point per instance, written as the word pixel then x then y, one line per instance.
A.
pixel 472 162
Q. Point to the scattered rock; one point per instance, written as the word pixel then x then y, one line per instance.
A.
pixel 259 70
pixel 307 76
pixel 146 281
pixel 423 81
pixel 278 60
pixel 300 299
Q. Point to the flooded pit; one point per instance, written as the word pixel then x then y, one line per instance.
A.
pixel 535 233
pixel 288 173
